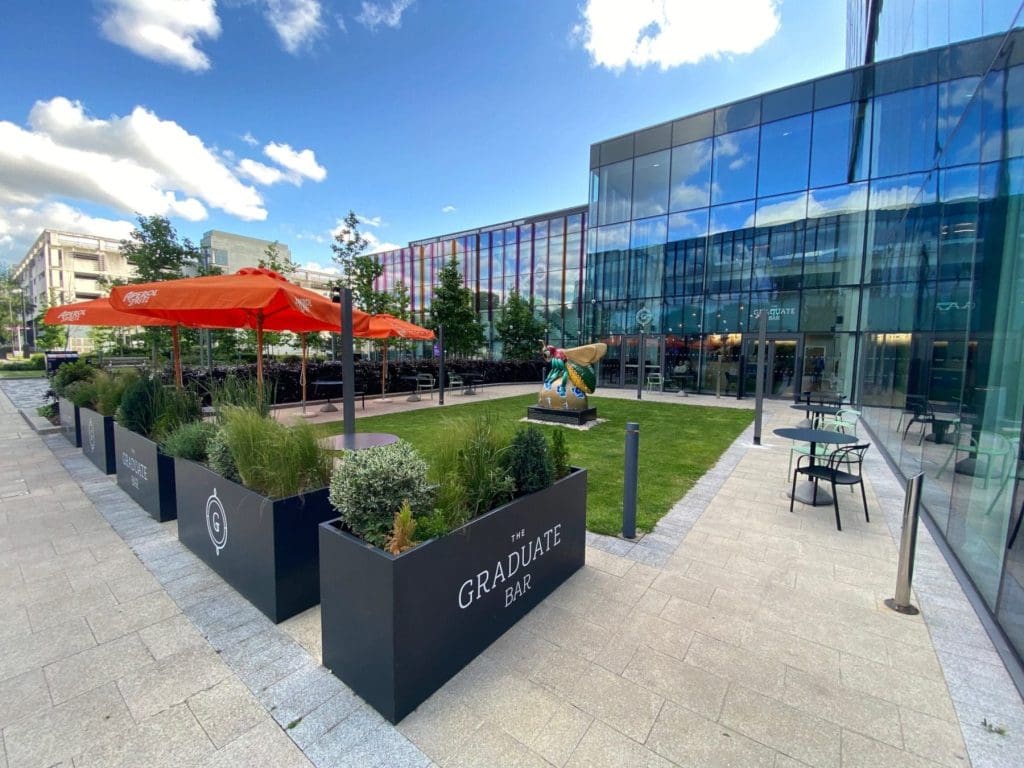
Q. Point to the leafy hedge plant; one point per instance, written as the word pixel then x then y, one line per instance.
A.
pixel 369 488
pixel 559 453
pixel 189 441
pixel 70 373
pixel 529 461
pixel 270 458
pixel 35 362
pixel 152 409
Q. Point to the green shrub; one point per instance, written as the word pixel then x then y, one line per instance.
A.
pixel 529 461
pixel 69 373
pixel 189 441
pixel 110 387
pixel 470 471
pixel 220 458
pixel 35 362
pixel 81 392
pixel 272 459
pixel 176 407
pixel 559 453
pixel 369 487
pixel 48 411
pixel 140 406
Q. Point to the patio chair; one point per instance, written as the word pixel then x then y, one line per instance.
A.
pixel 655 381
pixel 920 413
pixel 455 381
pixel 991 445
pixel 850 456
pixel 425 383
pixel 846 421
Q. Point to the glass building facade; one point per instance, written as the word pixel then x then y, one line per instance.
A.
pixel 872 216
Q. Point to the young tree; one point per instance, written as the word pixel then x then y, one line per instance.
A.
pixel 275 260
pixel 348 244
pixel 452 306
pixel 49 336
pixel 155 251
pixel 519 329
pixel 10 305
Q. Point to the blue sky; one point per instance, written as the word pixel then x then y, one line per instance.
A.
pixel 273 118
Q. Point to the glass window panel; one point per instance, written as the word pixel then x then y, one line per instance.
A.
pixel 839 149
pixel 778 257
pixel 650 184
pixel 848 198
pixel 575 222
pixel 730 257
pixel 829 310
pixel 783 308
pixel 785 149
pixel 832 250
pixel 683 226
pixel 904 131
pixel 730 217
pixel 648 232
pixel 684 267
pixel 959 122
pixel 614 192
pixel 735 166
pixel 779 210
pixel 1003 106
pixel 691 176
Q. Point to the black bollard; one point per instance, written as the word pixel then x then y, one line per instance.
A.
pixel 629 486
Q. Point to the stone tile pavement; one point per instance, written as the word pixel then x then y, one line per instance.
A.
pixel 735 634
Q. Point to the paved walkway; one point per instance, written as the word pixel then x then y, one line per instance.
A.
pixel 735 634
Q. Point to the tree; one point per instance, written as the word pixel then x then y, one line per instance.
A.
pixel 275 260
pixel 452 307
pixel 348 244
pixel 10 305
pixel 519 328
pixel 49 336
pixel 155 251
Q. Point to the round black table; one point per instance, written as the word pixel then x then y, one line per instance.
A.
pixel 805 491
pixel 817 410
pixel 359 441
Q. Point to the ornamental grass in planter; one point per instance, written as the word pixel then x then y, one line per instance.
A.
pixel 148 411
pixel 251 513
pixel 427 566
pixel 67 375
pixel 97 400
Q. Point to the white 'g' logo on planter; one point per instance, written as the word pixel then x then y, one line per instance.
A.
pixel 216 522
pixel 91 432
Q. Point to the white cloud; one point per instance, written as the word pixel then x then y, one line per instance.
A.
pixel 376 245
pixel 301 163
pixel 251 140
pixel 260 173
pixel 448 209
pixel 297 22
pixel 370 221
pixel 21 225
pixel 670 33
pixel 167 32
pixel 132 163
pixel 388 14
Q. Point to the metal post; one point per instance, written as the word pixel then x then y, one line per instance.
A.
pixel 348 368
pixel 440 363
pixel 641 360
pixel 630 482
pixel 762 361
pixel 908 548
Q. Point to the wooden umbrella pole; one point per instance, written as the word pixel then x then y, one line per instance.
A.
pixel 384 372
pixel 259 358
pixel 176 348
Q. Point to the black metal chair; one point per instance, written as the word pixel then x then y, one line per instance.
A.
pixel 849 456
pixel 920 413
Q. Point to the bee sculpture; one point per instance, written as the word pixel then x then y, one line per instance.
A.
pixel 572 376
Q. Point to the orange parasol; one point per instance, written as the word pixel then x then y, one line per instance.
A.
pixel 255 298
pixel 99 312
pixel 385 326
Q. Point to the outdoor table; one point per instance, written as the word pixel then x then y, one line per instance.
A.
pixel 940 425
pixel 415 396
pixel 359 441
pixel 472 380
pixel 805 492
pixel 817 410
pixel 329 407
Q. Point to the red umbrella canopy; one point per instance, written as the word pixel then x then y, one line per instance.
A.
pixel 250 298
pixel 97 312
pixel 384 326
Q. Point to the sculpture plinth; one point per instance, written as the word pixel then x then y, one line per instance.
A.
pixel 556 416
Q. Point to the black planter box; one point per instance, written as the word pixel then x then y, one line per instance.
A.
pixel 264 548
pixel 97 433
pixel 396 628
pixel 69 423
pixel 145 474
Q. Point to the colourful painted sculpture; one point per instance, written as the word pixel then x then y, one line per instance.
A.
pixel 572 377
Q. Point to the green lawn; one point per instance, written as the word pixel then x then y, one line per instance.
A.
pixel 678 444
pixel 21 374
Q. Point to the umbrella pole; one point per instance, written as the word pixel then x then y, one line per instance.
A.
pixel 176 349
pixel 302 374
pixel 259 360
pixel 383 375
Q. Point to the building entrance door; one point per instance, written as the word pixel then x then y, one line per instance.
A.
pixel 620 367
pixel 784 353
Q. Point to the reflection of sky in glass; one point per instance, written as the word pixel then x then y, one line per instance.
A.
pixel 901 192
pixel 735 166
pixel 785 149
pixel 779 210
pixel 728 217
pixel 691 175
pixel 849 198
pixel 612 238
pixel 832 146
pixel 650 184
pixel 648 232
pixel 683 226
pixel 959 184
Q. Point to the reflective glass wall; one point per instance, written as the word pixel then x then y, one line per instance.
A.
pixel 875 217
pixel 540 257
